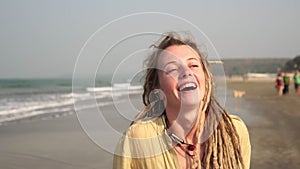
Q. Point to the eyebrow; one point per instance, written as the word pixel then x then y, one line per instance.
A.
pixel 169 63
pixel 192 58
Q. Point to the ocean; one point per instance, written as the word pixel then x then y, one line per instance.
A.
pixel 32 99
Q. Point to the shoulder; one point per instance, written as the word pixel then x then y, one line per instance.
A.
pixel 240 127
pixel 144 138
pixel 243 137
pixel 146 128
pixel 238 122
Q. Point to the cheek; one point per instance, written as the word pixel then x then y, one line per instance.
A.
pixel 167 83
pixel 201 82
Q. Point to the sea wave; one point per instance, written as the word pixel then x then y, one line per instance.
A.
pixel 47 104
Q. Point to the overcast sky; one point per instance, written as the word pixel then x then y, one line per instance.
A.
pixel 43 38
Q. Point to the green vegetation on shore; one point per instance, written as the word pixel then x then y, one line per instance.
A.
pixel 292 64
pixel 243 66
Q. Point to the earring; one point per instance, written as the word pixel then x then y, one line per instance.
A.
pixel 156 99
pixel 154 95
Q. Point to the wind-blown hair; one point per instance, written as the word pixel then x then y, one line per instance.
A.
pixel 219 136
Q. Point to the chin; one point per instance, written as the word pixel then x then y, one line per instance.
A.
pixel 190 104
pixel 189 101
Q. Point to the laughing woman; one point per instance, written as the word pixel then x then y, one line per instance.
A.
pixel 182 126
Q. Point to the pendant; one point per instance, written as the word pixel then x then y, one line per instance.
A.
pixel 191 147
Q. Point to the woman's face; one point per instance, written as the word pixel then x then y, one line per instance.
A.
pixel 181 76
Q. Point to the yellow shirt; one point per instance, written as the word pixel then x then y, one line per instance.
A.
pixel 147 145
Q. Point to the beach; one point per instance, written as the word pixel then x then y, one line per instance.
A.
pixel 60 142
pixel 274 125
pixel 52 143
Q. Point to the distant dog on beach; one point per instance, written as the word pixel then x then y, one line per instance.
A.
pixel 238 93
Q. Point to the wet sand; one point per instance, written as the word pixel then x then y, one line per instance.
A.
pixel 54 143
pixel 273 124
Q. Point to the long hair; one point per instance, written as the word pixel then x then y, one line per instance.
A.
pixel 220 138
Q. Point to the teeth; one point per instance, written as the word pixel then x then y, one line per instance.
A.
pixel 187 85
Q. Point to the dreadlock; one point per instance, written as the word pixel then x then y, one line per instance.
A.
pixel 222 149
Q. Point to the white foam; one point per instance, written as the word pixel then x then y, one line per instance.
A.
pixel 21 107
pixel 70 109
pixel 15 108
pixel 115 87
pixel 34 107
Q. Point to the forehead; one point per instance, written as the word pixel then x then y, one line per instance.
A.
pixel 177 53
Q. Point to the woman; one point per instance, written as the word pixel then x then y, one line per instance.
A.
pixel 182 126
pixel 279 84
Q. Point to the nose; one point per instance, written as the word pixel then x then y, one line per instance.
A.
pixel 185 72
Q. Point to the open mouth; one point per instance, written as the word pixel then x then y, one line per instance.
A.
pixel 187 87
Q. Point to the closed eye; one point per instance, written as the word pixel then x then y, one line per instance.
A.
pixel 170 71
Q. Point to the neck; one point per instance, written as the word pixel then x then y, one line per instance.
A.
pixel 184 123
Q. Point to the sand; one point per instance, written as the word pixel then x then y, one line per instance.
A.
pixel 49 144
pixel 273 124
pixel 274 132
